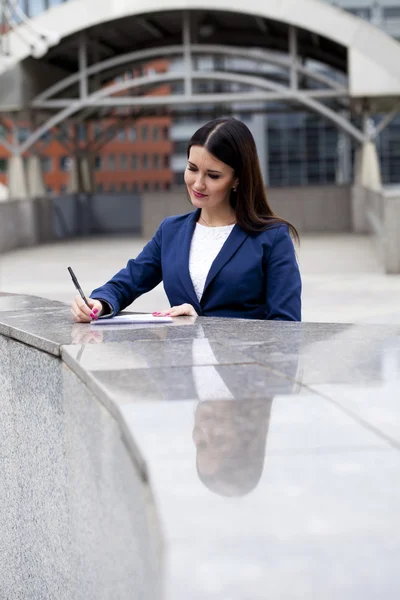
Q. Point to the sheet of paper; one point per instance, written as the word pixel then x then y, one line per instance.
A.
pixel 126 319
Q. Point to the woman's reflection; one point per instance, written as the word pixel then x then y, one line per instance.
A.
pixel 230 431
pixel 230 438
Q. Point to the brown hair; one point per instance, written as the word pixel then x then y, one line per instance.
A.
pixel 231 142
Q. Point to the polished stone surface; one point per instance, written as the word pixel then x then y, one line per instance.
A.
pixel 283 497
pixel 272 448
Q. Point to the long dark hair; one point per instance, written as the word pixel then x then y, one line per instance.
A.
pixel 231 142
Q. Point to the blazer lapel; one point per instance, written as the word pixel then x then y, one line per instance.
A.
pixel 183 242
pixel 232 244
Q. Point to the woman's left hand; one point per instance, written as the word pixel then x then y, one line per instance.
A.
pixel 186 310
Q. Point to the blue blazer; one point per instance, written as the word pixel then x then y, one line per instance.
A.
pixel 254 276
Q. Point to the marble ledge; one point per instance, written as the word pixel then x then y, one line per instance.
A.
pixel 204 356
pixel 284 433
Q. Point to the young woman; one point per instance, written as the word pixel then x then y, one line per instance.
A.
pixel 231 257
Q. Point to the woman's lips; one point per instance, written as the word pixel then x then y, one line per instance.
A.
pixel 198 195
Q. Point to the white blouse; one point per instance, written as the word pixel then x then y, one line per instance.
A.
pixel 206 244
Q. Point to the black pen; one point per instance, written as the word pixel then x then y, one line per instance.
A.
pixel 78 287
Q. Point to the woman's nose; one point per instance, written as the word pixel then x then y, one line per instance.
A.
pixel 200 183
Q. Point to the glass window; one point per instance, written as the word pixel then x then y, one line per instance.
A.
pixel 47 164
pixel 134 162
pixel 124 187
pixel 81 132
pixel 146 186
pixel 99 188
pixel 167 185
pixel 121 134
pixel 49 189
pixel 135 187
pixel 156 161
pixel 35 7
pixel 166 133
pixel 112 188
pixel 166 161
pixel 156 134
pixel 145 132
pixel 179 178
pixel 123 162
pixel 391 12
pixel 111 162
pixel 97 163
pixel 360 11
pixel 3 165
pixel 65 163
pixel 156 186
pixel 63 189
pixel 180 147
pixel 132 134
pixel 145 161
pixel 97 130
pixel 3 131
pixel 22 134
pixel 63 133
pixel 46 137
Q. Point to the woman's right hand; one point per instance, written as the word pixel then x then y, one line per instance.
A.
pixel 82 313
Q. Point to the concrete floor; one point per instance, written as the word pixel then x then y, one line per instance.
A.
pixel 343 280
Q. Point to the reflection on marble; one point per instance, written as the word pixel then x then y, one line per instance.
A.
pixel 191 383
pixel 355 353
pixel 142 354
pixel 275 460
pixel 376 405
pixel 76 520
pixel 284 497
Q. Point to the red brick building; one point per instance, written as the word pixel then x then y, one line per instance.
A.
pixel 136 159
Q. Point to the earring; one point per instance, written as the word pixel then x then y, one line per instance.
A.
pixel 234 189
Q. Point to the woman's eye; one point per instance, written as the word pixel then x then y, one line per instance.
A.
pixel 214 176
pixel 190 169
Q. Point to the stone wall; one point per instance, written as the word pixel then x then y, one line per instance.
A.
pixel 76 516
pixel 30 222
pixel 378 213
pixel 25 223
pixel 309 208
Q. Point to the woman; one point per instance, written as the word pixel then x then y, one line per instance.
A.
pixel 232 257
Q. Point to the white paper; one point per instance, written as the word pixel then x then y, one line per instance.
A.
pixel 126 319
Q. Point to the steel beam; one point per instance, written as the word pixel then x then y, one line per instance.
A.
pixel 273 92
pixel 202 49
pixel 187 58
pixel 83 66
pixel 293 55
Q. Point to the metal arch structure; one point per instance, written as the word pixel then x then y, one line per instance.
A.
pixel 360 45
pixel 366 44
pixel 262 90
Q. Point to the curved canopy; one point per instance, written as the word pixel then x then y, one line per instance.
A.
pixel 328 34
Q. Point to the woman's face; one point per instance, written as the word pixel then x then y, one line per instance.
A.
pixel 209 181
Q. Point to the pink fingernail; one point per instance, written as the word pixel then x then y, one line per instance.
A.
pixel 95 311
pixel 92 315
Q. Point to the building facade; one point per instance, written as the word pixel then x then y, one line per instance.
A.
pixel 128 155
pixel 301 148
pixel 295 147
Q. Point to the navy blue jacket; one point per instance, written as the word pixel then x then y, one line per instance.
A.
pixel 254 276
